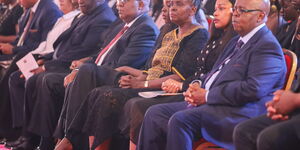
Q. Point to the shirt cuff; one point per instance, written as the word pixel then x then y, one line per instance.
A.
pixel 206 95
pixel 199 82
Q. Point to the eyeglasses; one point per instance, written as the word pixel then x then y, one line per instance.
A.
pixel 122 1
pixel 243 11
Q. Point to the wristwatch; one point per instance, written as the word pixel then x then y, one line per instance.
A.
pixel 146 84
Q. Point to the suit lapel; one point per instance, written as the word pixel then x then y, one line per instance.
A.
pixel 133 26
pixel 128 32
pixel 37 13
pixel 252 41
pixel 24 21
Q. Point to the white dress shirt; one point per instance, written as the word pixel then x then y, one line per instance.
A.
pixel 61 25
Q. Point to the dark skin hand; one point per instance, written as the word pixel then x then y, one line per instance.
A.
pixel 283 103
pixel 40 62
pixel 6 48
pixel 38 70
pixel 70 77
pixel 171 86
pixel 130 81
pixel 195 95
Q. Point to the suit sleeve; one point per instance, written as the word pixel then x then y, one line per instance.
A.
pixel 49 18
pixel 266 66
pixel 140 47
pixel 88 42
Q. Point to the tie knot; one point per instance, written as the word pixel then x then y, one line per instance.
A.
pixel 239 44
pixel 124 29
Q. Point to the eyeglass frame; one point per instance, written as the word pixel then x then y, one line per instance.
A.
pixel 124 1
pixel 243 10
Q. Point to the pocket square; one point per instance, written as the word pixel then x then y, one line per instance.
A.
pixel 33 30
pixel 236 65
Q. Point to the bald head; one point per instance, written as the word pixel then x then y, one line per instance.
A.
pixel 265 6
pixel 249 14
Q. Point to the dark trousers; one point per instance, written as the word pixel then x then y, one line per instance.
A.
pixel 263 133
pixel 48 104
pixel 88 77
pixel 5 109
pixel 134 111
pixel 17 89
pixel 170 126
pixel 32 104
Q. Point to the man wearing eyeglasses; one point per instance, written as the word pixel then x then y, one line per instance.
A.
pixel 242 80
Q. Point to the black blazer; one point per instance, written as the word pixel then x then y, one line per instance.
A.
pixel 43 20
pixel 82 39
pixel 134 47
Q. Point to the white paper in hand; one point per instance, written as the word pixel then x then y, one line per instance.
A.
pixel 26 64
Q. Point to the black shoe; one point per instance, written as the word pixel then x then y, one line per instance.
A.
pixel 3 140
pixel 26 145
pixel 11 144
pixel 38 148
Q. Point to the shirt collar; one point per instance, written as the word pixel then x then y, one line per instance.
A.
pixel 11 6
pixel 71 14
pixel 130 23
pixel 248 36
pixel 35 6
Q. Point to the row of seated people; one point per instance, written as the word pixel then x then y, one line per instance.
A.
pixel 96 112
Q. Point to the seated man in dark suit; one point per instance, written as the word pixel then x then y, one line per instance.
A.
pixel 82 39
pixel 286 33
pixel 244 77
pixel 131 48
pixel 34 26
pixel 278 130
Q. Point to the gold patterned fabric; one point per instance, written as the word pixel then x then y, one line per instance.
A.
pixel 164 56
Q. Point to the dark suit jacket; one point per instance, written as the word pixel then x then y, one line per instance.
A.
pixel 243 86
pixel 134 47
pixel 82 39
pixel 43 20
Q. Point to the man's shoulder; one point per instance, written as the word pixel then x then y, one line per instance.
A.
pixel 48 7
pixel 146 24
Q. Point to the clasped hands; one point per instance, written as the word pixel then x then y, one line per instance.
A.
pixel 129 81
pixel 283 103
pixel 194 95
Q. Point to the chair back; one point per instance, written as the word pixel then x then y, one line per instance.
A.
pixel 291 65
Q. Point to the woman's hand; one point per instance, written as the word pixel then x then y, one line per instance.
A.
pixel 171 86
pixel 129 81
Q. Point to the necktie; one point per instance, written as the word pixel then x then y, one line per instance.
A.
pixel 112 42
pixel 4 16
pixel 238 46
pixel 26 29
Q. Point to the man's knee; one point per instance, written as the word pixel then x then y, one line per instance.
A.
pixel 87 68
pixel 14 79
pixel 178 120
pixel 240 131
pixel 51 80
